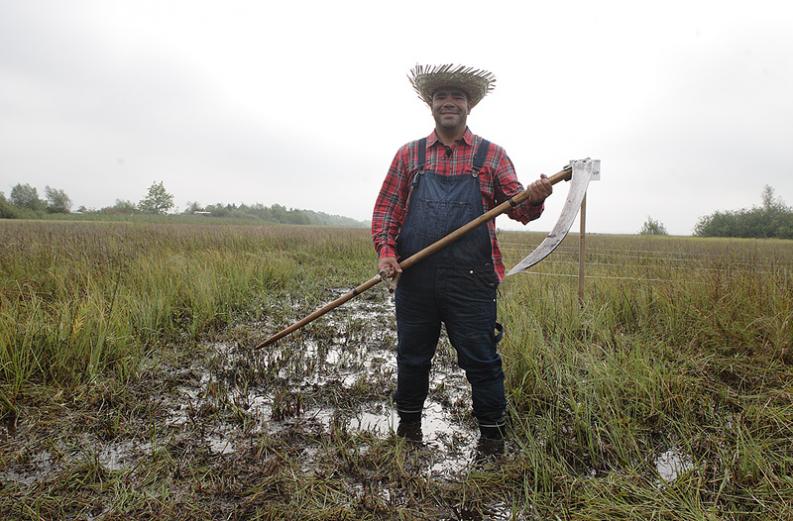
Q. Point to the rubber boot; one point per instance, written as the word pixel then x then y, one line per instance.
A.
pixel 410 427
pixel 491 440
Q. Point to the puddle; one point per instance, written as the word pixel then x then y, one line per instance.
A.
pixel 484 513
pixel 451 446
pixel 37 468
pixel 672 463
pixel 113 456
pixel 220 442
pixel 338 373
pixel 124 454
pixel 333 378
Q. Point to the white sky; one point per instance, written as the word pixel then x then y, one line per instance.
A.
pixel 688 104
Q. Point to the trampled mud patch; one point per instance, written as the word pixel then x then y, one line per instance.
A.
pixel 30 470
pixel 337 374
pixel 316 405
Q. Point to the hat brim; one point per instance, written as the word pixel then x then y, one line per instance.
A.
pixel 476 83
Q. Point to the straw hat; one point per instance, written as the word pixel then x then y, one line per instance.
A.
pixel 476 83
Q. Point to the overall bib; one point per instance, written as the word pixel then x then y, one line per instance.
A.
pixel 456 286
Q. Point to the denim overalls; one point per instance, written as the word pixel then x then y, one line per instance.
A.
pixel 455 286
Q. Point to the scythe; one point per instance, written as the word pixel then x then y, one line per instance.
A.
pixel 579 172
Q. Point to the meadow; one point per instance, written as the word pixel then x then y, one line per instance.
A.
pixel 130 386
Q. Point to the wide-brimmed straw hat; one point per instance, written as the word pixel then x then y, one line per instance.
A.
pixel 476 83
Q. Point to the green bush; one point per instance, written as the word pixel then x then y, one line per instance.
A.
pixel 7 210
pixel 772 220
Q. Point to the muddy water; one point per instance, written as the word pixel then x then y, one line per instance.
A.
pixel 337 374
pixel 330 383
pixel 318 402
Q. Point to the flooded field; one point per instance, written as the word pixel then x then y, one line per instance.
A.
pixel 129 387
pixel 318 402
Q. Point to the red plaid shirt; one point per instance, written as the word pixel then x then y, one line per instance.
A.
pixel 497 182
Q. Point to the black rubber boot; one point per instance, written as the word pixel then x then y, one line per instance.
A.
pixel 491 441
pixel 411 431
pixel 410 426
pixel 493 430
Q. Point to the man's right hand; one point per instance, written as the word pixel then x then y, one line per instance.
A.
pixel 389 267
pixel 540 190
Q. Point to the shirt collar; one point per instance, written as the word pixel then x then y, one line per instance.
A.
pixel 468 138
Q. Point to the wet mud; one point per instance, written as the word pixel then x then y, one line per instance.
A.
pixel 336 376
pixel 317 403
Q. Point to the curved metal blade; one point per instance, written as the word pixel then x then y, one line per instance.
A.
pixel 583 171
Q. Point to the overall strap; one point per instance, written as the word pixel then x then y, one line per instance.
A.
pixel 422 146
pixel 422 153
pixel 481 154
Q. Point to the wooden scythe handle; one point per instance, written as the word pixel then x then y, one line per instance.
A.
pixel 563 175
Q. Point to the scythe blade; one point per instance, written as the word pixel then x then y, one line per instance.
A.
pixel 584 170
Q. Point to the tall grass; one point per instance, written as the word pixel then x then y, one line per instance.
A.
pixel 681 345
pixel 82 300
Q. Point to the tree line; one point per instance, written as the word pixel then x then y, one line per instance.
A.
pixel 25 199
pixel 773 219
pixel 24 202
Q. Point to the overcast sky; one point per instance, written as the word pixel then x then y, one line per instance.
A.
pixel 689 105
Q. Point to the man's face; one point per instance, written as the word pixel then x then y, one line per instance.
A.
pixel 450 108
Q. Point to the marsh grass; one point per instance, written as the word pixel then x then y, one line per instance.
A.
pixel 699 361
pixel 83 300
pixel 682 346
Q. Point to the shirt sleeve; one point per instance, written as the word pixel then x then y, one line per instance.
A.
pixel 389 207
pixel 507 185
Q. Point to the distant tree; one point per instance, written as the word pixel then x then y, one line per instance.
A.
pixel 279 213
pixel 26 196
pixel 194 207
pixel 771 220
pixel 157 200
pixel 6 210
pixel 217 210
pixel 57 200
pixel 770 201
pixel 274 214
pixel 121 207
pixel 652 227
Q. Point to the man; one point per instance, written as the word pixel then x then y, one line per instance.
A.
pixel 434 186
